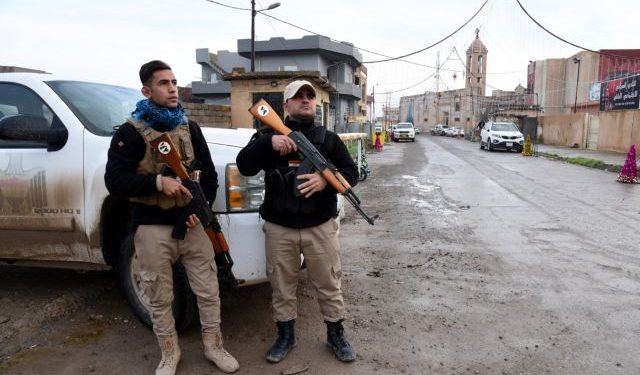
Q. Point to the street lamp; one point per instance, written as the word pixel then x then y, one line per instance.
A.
pixel 575 102
pixel 253 29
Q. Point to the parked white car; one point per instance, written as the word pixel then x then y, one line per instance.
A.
pixel 457 131
pixel 404 131
pixel 55 209
pixel 448 132
pixel 501 135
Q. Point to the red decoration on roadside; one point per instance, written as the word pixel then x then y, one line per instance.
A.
pixel 378 144
pixel 629 172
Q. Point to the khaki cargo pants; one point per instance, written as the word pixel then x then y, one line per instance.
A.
pixel 321 251
pixel 157 251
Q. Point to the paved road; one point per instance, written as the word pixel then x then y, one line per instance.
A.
pixel 568 237
pixel 480 263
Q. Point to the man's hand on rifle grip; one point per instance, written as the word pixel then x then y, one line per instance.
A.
pixel 192 221
pixel 314 183
pixel 283 144
pixel 174 188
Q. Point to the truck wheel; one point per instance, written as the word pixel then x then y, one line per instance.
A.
pixel 184 301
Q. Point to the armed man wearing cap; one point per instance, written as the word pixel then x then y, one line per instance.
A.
pixel 299 209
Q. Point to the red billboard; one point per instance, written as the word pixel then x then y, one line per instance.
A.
pixel 621 93
pixel 617 63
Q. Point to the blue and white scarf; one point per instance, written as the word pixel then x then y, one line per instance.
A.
pixel 159 118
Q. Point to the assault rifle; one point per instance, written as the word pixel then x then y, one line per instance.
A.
pixel 263 112
pixel 200 208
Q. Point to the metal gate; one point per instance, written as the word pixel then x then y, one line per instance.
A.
pixel 530 128
pixel 593 124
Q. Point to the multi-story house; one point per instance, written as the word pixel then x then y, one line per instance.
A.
pixel 335 68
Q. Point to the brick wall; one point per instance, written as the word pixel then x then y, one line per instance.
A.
pixel 209 115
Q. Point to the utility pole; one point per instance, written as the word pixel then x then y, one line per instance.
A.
pixel 373 104
pixel 253 35
pixel 438 88
pixel 575 103
pixel 253 30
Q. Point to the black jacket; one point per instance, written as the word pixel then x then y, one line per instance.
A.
pixel 259 155
pixel 125 153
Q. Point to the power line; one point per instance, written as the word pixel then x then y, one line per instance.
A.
pixel 434 44
pixel 570 43
pixel 227 6
pixel 389 58
pixel 422 81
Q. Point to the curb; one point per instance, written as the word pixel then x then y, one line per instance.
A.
pixel 598 164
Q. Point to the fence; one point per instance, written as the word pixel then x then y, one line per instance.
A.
pixel 355 144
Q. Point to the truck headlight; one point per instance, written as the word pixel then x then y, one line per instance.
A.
pixel 244 193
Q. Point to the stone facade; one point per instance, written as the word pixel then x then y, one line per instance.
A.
pixel 247 87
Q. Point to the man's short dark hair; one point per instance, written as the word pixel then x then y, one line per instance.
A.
pixel 146 70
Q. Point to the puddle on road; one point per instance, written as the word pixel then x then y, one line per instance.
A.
pixel 81 334
pixel 29 355
pixel 420 203
pixel 85 332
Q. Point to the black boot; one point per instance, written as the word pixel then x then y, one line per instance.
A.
pixel 336 340
pixel 286 341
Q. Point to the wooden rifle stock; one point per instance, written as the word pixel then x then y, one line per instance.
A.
pixel 263 112
pixel 170 155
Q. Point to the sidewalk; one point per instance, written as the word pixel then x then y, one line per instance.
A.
pixel 607 157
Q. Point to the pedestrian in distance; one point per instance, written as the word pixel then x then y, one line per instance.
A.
pixel 378 143
pixel 134 171
pixel 299 212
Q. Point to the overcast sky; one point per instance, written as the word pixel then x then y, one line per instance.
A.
pixel 108 40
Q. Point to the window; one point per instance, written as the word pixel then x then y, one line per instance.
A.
pixel 19 100
pixel 504 126
pixel 100 108
pixel 288 68
pixel 319 118
pixel 480 59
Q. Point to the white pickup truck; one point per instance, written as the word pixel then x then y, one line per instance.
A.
pixel 55 209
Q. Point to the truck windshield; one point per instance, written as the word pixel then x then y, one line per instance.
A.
pixel 100 108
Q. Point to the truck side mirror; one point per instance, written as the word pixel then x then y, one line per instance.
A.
pixel 31 128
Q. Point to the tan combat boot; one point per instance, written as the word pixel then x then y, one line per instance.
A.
pixel 214 352
pixel 170 355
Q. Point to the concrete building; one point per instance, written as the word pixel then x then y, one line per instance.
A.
pixel 336 68
pixel 555 82
pixel 461 107
pixel 589 99
pixel 574 84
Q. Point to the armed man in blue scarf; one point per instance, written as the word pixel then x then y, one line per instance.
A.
pixel 134 171
pixel 299 209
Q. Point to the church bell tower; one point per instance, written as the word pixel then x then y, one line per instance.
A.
pixel 476 73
